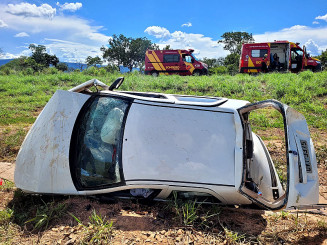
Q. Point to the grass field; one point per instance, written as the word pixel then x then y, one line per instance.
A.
pixel 22 96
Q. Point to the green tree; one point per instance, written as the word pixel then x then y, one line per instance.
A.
pixel 167 47
pixel 211 62
pixel 41 58
pixel 233 41
pixel 62 66
pixel 93 61
pixel 127 51
pixel 323 59
pixel 231 62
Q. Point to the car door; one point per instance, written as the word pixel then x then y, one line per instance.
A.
pixel 303 181
pixel 302 174
pixel 304 58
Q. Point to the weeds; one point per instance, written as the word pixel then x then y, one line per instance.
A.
pixel 187 212
pixel 46 213
pixel 233 237
pixel 5 216
pixel 322 224
pixel 98 231
pixel 6 185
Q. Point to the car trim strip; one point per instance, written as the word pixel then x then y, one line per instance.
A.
pixel 175 181
pixel 195 109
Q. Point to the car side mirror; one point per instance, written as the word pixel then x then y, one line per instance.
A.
pixel 116 84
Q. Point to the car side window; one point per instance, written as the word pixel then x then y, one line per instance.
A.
pixel 98 143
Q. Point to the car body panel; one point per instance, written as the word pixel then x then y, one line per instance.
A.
pixel 42 163
pixel 185 145
pixel 303 172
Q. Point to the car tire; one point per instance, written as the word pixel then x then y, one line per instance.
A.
pixel 196 73
pixel 155 74
pixel 316 68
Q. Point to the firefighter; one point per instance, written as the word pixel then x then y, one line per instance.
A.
pixel 264 67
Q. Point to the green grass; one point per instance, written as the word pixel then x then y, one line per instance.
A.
pixel 21 96
pixel 98 231
pixel 46 213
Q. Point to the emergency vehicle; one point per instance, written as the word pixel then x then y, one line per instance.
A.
pixel 276 56
pixel 168 62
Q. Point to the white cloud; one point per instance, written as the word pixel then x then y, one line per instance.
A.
pixel 158 32
pixel 83 39
pixel 312 47
pixel 203 46
pixel 315 22
pixel 72 7
pixel 9 56
pixel 22 34
pixel 31 10
pixel 2 24
pixel 295 28
pixel 71 51
pixel 301 34
pixel 324 17
pixel 188 24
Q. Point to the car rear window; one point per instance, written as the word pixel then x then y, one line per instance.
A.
pixel 97 152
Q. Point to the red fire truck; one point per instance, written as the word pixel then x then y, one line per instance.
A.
pixel 276 56
pixel 180 62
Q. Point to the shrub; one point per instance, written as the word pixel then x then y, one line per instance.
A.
pixel 28 71
pixel 93 71
pixel 51 70
pixel 218 70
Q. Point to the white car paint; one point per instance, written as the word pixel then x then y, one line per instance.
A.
pixel 171 143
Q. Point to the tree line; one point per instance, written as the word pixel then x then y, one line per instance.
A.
pixel 130 52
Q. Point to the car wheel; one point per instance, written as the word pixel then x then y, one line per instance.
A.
pixel 155 74
pixel 316 68
pixel 196 73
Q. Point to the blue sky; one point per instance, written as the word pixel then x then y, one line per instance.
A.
pixel 74 30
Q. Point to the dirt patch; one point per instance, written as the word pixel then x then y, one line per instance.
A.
pixel 142 224
pixel 157 223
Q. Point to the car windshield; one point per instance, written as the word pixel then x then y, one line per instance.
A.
pixel 195 57
pixel 98 143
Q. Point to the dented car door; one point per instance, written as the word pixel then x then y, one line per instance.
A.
pixel 302 174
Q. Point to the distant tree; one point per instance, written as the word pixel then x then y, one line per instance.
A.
pixel 62 66
pixel 167 47
pixel 211 62
pixel 93 61
pixel 231 62
pixel 127 51
pixel 233 41
pixel 42 58
pixel 16 64
pixel 323 59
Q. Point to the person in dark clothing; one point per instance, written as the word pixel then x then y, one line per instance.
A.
pixel 275 64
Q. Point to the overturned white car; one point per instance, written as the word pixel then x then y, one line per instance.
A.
pixel 151 144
